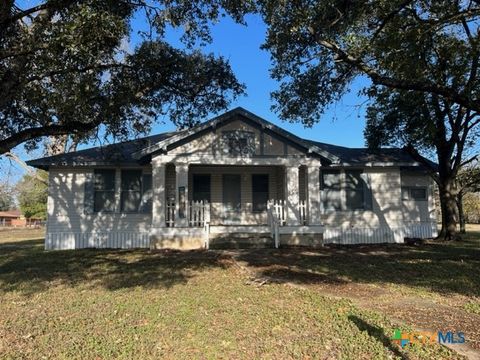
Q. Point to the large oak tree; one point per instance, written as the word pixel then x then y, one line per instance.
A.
pixel 65 69
pixel 422 55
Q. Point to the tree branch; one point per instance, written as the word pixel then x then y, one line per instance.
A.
pixel 390 16
pixel 72 127
pixel 401 84
pixel 27 168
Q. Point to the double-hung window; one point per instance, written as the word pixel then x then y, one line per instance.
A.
pixel 354 190
pixel 331 184
pixel 136 191
pixel 345 190
pixel 104 190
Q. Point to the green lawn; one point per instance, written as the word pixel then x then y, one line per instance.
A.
pixel 141 304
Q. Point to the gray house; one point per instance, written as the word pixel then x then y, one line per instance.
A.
pixel 235 178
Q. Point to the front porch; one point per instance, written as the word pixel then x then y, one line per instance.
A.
pixel 205 204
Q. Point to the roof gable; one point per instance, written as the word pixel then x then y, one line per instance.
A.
pixel 222 120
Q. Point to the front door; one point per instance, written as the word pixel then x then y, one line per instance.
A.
pixel 232 204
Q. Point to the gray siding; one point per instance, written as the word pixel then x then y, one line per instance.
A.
pixel 70 226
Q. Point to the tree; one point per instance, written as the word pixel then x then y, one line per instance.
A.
pixel 425 51
pixel 32 195
pixel 468 181
pixel 471 205
pixel 63 69
pixel 423 124
pixel 6 198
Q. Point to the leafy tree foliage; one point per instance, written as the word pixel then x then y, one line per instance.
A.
pixel 422 60
pixel 468 182
pixel 64 69
pixel 6 197
pixel 32 195
pixel 471 207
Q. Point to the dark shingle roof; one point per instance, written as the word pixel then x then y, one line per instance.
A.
pixel 365 155
pixel 137 151
pixel 101 155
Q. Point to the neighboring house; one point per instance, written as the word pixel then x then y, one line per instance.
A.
pixel 15 218
pixel 234 178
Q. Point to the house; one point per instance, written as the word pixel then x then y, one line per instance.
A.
pixel 15 218
pixel 6 217
pixel 236 178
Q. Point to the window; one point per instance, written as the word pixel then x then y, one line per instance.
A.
pixel 331 186
pixel 201 188
pixel 131 195
pixel 238 142
pixel 259 192
pixel 345 190
pixel 414 193
pixel 136 195
pixel 354 190
pixel 104 190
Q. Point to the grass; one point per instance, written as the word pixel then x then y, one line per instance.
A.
pixel 438 268
pixel 125 304
pixel 8 235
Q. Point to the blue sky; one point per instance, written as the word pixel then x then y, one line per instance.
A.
pixel 342 124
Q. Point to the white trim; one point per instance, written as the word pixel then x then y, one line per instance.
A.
pixel 212 159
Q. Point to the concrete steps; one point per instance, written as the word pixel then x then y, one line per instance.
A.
pixel 241 241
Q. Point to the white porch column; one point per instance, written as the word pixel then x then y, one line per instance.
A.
pixel 158 184
pixel 292 195
pixel 181 195
pixel 314 195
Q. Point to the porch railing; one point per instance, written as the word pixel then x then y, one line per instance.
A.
pixel 199 213
pixel 274 223
pixel 199 216
pixel 278 209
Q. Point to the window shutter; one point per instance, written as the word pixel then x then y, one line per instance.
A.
pixel 88 203
pixel 367 191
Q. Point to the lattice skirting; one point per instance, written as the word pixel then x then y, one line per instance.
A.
pixel 383 234
pixel 112 239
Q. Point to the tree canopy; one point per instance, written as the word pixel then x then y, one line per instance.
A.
pixel 64 68
pixel 423 46
pixel 422 60
pixel 32 195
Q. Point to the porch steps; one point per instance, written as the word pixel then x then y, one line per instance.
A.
pixel 243 240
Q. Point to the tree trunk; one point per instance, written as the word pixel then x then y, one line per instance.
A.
pixel 461 214
pixel 449 206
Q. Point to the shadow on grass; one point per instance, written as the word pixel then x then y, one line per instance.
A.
pixel 443 268
pixel 378 334
pixel 15 243
pixel 27 268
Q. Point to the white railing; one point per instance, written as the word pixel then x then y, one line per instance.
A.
pixel 199 216
pixel 170 214
pixel 276 218
pixel 302 210
pixel 198 212
pixel 279 210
